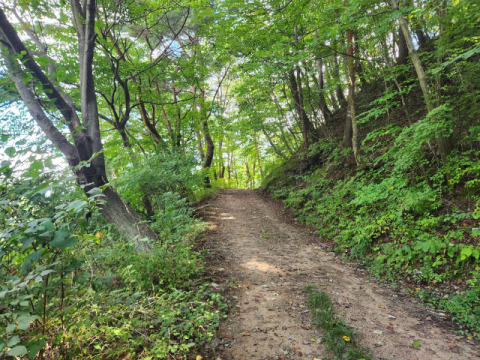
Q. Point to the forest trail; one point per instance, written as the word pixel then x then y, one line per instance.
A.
pixel 270 258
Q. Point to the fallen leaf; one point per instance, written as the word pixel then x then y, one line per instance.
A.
pixel 390 328
pixel 428 318
pixel 380 305
pixel 379 332
pixel 346 338
pixel 229 336
pixel 199 357
pixel 247 334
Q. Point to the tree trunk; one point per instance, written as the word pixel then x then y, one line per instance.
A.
pixel 327 114
pixel 338 89
pixel 178 125
pixel 86 136
pixel 444 143
pixel 350 65
pixel 210 149
pixel 304 120
pixel 200 147
pixel 402 48
pixel 125 220
pixel 220 157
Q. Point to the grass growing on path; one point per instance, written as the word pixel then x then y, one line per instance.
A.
pixel 337 336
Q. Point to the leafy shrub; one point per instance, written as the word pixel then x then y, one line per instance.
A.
pixel 71 287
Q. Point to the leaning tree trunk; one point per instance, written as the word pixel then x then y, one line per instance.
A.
pixel 444 143
pixel 87 144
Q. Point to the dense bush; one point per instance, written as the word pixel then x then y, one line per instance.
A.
pixel 71 287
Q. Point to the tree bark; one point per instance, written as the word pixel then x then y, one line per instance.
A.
pixel 220 157
pixel 304 120
pixel 402 58
pixel 200 147
pixel 350 64
pixel 338 90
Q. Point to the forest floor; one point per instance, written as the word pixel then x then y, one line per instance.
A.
pixel 262 259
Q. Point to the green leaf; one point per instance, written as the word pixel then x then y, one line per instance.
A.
pixel 63 243
pixel 13 341
pixel 24 321
pixel 396 14
pixel 94 191
pixel 26 266
pixel 10 151
pixel 11 327
pixel 48 225
pixel 36 255
pixel 35 347
pixel 61 234
pixel 476 231
pixel 466 252
pixel 17 351
pixel 416 343
pixel 476 253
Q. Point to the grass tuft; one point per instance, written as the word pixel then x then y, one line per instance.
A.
pixel 337 337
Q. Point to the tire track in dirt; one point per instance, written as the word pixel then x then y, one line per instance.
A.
pixel 270 262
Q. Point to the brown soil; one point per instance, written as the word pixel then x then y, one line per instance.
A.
pixel 263 259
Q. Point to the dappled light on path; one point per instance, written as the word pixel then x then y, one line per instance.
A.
pixel 261 266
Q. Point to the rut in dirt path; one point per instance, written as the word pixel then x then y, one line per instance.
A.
pixel 271 261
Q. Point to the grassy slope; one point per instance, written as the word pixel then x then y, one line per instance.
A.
pixel 400 215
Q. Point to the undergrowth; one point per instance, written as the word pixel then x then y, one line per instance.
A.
pixel 72 287
pixel 403 222
pixel 337 336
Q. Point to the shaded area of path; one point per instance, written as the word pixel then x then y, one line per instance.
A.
pixel 270 261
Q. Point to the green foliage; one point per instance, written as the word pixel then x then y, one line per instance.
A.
pixel 393 217
pixel 70 282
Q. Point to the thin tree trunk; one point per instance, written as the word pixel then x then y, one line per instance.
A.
pixel 402 48
pixel 350 66
pixel 274 147
pixel 178 125
pixel 338 89
pixel 327 114
pixel 200 147
pixel 220 157
pixel 443 142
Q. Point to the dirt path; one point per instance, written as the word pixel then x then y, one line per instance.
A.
pixel 270 261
